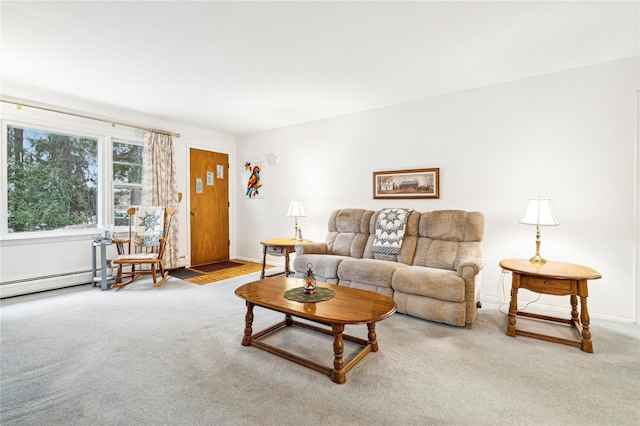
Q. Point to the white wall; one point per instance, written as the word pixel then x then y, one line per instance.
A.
pixel 569 136
pixel 24 261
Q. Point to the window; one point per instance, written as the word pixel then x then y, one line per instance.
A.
pixel 52 180
pixel 127 178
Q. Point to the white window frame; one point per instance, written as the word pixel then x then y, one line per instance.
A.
pixel 105 196
pixel 112 208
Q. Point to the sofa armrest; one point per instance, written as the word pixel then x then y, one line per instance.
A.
pixel 475 263
pixel 311 248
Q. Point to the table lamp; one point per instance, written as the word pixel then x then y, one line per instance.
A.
pixel 538 213
pixel 296 210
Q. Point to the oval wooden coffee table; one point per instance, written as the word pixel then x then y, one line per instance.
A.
pixel 348 306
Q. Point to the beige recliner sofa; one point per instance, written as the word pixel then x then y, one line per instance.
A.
pixel 434 276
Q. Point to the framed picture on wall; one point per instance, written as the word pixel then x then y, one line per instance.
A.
pixel 404 184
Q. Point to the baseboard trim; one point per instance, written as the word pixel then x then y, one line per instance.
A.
pixel 36 285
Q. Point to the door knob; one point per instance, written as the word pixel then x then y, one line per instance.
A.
pixel 193 213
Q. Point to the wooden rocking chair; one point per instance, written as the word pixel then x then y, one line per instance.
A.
pixel 144 250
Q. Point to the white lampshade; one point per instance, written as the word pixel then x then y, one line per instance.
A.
pixel 539 213
pixel 296 209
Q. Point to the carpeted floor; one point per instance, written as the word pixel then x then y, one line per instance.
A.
pixel 172 355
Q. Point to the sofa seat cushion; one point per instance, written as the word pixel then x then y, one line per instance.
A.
pixel 325 266
pixel 452 313
pixel 430 282
pixel 372 272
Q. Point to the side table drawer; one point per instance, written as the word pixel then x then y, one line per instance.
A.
pixel 549 285
pixel 275 251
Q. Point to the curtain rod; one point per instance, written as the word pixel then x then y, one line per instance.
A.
pixel 19 105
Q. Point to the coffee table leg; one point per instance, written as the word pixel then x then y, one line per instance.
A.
pixel 338 375
pixel 248 322
pixel 372 337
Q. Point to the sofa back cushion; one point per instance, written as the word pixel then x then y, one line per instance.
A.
pixel 438 239
pixel 445 237
pixel 348 232
pixel 408 248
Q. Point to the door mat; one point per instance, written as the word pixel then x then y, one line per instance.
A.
pixel 212 267
pixel 184 273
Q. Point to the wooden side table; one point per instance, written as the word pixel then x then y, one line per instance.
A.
pixel 559 279
pixel 278 247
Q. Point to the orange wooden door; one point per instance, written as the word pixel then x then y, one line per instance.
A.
pixel 209 206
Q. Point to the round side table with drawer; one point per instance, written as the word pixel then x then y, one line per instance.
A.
pixel 554 278
pixel 278 247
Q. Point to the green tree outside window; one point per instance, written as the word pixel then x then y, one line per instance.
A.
pixel 52 180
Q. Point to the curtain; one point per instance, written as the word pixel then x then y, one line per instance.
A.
pixel 159 186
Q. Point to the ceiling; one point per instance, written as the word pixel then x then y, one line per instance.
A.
pixel 244 67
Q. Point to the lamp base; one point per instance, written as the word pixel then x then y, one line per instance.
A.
pixel 537 260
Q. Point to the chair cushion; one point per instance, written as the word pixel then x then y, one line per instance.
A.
pixel 137 256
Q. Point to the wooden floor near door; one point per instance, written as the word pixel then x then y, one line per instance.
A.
pixel 244 269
